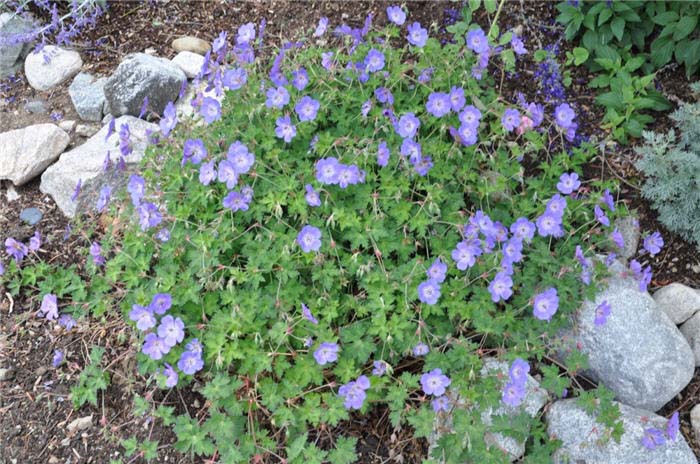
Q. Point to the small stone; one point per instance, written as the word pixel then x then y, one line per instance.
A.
pixel 151 51
pixel 88 96
pixel 53 459
pixel 82 423
pixel 11 193
pixel 695 421
pixel 31 216
pixel 44 74
pixel 191 44
pixel 36 107
pixel 190 63
pixel 6 374
pixel 679 302
pixel 86 130
pixel 67 125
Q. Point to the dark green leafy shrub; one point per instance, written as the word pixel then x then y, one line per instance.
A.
pixel 671 164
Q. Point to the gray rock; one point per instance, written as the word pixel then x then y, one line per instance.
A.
pixel 191 44
pixel 31 215
pixel 679 302
pixel 25 153
pixel 629 228
pixel 584 440
pixel 695 421
pixel 639 353
pixel 88 96
pixel 190 63
pixel 85 162
pixel 86 130
pixel 82 423
pixel 6 374
pixel 12 56
pixel 691 331
pixel 67 125
pixel 43 75
pixel 535 399
pixel 140 76
pixel 36 107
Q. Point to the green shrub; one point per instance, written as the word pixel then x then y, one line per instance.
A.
pixel 671 164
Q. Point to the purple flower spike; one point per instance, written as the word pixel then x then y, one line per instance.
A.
pixel 309 239
pixel 545 304
pixel 434 382
pixel 327 352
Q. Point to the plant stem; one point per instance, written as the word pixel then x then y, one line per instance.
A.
pixel 495 18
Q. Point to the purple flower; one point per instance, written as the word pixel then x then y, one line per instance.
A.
pixel 438 104
pixel 76 191
pixel 285 129
pixel 382 154
pixel 425 75
pixel 518 371
pixel 617 238
pixel 277 97
pixel 327 60
pixel 49 307
pixel 374 61
pixel 169 119
pixel 441 403
pixel 465 253
pixel 653 243
pixel 512 251
pixel 143 317
pixel 227 173
pixel 66 321
pixel 194 150
pixel 307 108
pixel 518 46
pixel 549 225
pixel 246 33
pixel 607 198
pixel 501 287
pixel 643 276
pixel 673 426
pixel 602 311
pixel 154 347
pixel 417 35
pixel 510 119
pixel 556 206
pixel 35 242
pixel 437 271
pixel 219 43
pixel 457 100
pixel 136 188
pixel 239 156
pixel 411 149
pixel 125 147
pixel 190 363
pixel 235 202
pixel 300 79
pixel 2 268
pixel 210 109
pixel 396 15
pixel 564 115
pixel 96 253
pixel 354 392
pixel 383 95
pixel 161 303
pixel 57 358
pixel 321 28
pixel 434 382
pixel 429 292
pixel 421 349
pixel 513 394
pixel 207 173
pixel 149 216
pixel 347 175
pixel 309 239
pixel 477 41
pixel 171 330
pixel 235 78
pixel 103 200
pixel 306 312
pixel 545 304
pixel 408 125
pixel 601 216
pixel 467 135
pixel 171 376
pixel 568 183
pixel 379 368
pixel 653 438
pixel 326 352
pixel 327 170
pixel 470 116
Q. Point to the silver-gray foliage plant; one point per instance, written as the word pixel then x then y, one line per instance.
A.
pixel 671 164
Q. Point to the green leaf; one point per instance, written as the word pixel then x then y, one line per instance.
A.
pixel 665 18
pixel 491 6
pixel 580 55
pixel 604 15
pixel 634 63
pixel 684 27
pixel 618 27
pixel 661 51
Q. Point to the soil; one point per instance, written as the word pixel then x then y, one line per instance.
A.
pixel 35 408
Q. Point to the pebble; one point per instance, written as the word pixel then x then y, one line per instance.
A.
pixel 695 420
pixel 191 44
pixel 11 193
pixel 67 125
pixel 31 216
pixel 86 130
pixel 6 374
pixel 35 106
pixel 82 423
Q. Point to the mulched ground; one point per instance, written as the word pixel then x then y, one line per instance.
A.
pixel 34 404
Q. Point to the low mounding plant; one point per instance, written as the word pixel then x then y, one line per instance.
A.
pixel 671 164
pixel 353 228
